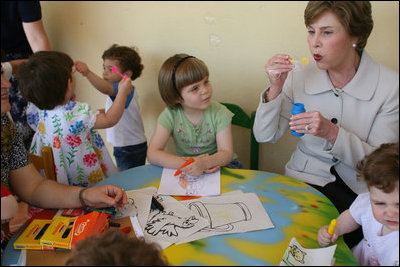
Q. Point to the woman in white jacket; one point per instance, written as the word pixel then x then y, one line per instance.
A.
pixel 351 102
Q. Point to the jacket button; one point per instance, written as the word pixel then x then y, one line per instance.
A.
pixel 334 159
pixel 334 120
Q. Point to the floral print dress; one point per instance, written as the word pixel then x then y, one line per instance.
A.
pixel 80 155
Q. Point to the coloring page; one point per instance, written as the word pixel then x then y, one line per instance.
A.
pixel 185 185
pixel 296 255
pixel 172 224
pixel 229 213
pixel 138 204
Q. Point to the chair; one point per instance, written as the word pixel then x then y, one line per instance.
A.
pixel 240 118
pixel 45 162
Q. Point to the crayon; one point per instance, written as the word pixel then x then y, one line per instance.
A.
pixel 179 171
pixel 332 227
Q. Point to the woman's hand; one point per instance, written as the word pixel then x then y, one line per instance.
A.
pixel 314 123
pixel 104 196
pixel 324 238
pixel 277 69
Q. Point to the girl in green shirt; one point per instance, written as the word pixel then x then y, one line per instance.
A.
pixel 200 127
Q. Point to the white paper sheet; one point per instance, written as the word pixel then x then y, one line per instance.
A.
pixel 204 185
pixel 296 255
pixel 174 223
pixel 230 213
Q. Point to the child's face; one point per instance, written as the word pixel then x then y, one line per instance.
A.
pixel 108 75
pixel 197 95
pixel 385 207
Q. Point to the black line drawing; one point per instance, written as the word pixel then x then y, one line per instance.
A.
pixel 221 216
pixel 294 255
pixel 163 223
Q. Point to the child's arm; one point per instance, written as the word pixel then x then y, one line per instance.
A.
pixel 114 114
pixel 98 82
pixel 345 224
pixel 156 154
pixel 223 156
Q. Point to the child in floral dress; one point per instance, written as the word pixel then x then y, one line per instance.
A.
pixel 47 80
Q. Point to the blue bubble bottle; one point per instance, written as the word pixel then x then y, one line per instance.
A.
pixel 297 108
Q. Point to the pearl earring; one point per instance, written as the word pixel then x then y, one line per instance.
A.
pixel 354 45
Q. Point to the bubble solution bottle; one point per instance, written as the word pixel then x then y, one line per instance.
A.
pixel 297 108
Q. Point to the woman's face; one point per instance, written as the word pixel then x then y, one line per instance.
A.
pixel 330 43
pixel 5 104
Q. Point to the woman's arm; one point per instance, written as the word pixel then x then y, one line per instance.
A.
pixel 31 187
pixel 36 35
pixel 156 154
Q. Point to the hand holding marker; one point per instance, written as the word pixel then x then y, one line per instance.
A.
pixel 114 70
pixel 179 171
pixel 332 227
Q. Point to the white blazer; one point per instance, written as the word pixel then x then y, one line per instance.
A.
pixel 366 111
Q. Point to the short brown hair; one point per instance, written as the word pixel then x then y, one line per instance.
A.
pixel 114 248
pixel 189 71
pixel 381 168
pixel 127 57
pixel 355 16
pixel 43 79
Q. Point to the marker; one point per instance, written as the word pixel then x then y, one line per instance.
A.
pixel 332 227
pixel 157 203
pixel 179 171
pixel 114 70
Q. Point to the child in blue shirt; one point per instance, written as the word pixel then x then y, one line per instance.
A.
pixel 200 127
pixel 127 136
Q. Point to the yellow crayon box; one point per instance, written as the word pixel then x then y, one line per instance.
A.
pixel 59 233
pixel 30 237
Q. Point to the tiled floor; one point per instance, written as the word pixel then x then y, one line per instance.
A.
pixel 20 218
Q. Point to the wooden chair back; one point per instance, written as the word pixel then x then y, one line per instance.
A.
pixel 45 162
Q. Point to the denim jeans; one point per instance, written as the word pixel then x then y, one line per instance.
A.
pixel 130 156
pixel 235 164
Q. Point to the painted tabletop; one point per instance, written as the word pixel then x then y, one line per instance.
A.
pixel 295 208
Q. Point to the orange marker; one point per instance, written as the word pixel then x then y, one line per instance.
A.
pixel 332 227
pixel 179 171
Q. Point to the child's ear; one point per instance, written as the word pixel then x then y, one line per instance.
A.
pixel 128 73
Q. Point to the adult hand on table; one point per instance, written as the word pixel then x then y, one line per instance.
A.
pixel 104 196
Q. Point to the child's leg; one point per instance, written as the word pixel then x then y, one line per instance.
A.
pixel 130 156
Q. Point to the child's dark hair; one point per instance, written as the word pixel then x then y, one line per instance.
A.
pixel 127 57
pixel 381 168
pixel 43 80
pixel 114 248
pixel 177 72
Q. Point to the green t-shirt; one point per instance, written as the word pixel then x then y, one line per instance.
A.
pixel 193 141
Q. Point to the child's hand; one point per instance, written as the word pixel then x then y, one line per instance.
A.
pixel 82 68
pixel 324 238
pixel 125 86
pixel 197 167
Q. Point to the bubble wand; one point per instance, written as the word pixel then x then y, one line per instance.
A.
pixel 305 61
pixel 114 70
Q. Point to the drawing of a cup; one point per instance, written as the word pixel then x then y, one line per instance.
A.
pixel 221 216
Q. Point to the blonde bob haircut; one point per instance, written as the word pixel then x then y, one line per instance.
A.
pixel 176 73
pixel 355 16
